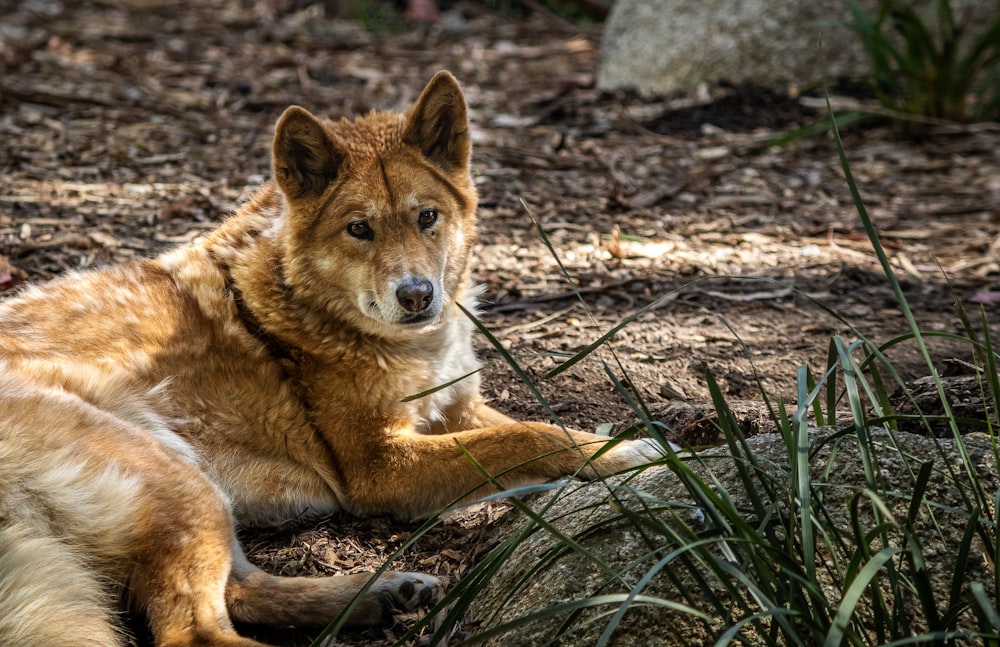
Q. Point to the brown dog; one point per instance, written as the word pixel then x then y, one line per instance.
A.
pixel 256 376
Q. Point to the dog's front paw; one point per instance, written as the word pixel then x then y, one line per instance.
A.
pixel 624 455
pixel 406 591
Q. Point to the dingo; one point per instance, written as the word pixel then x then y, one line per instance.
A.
pixel 256 376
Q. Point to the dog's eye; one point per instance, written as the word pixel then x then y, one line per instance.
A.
pixel 427 218
pixel 361 230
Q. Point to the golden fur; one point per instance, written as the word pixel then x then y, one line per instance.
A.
pixel 252 377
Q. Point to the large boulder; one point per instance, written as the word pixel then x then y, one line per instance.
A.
pixel 612 554
pixel 666 45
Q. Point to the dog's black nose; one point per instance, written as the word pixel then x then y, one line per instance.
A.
pixel 415 294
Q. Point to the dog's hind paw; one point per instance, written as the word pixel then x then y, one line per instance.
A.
pixel 406 591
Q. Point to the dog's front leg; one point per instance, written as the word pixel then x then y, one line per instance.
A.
pixel 465 416
pixel 408 474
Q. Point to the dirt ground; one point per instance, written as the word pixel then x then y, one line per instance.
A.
pixel 127 126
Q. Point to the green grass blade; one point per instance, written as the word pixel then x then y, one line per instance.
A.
pixel 495 343
pixel 763 599
pixel 883 260
pixel 440 387
pixel 338 623
pixel 934 638
pixel 962 560
pixel 729 634
pixel 992 376
pixel 881 396
pixel 590 348
pixel 572 284
pixel 995 543
pixel 989 616
pixel 918 336
pixel 641 412
pixel 820 127
pixel 832 395
pixel 917 497
pixel 851 378
pixel 801 475
pixel 737 443
pixel 535 516
pixel 880 49
pixel 573 605
pixel 919 574
pixel 644 581
pixel 816 404
pixel 779 418
pixel 852 596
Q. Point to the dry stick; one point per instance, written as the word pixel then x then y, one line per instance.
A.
pixel 59 100
pixel 559 296
pixel 538 322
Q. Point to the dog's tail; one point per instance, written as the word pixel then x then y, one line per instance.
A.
pixel 47 594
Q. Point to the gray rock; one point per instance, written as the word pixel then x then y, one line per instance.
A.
pixel 541 572
pixel 666 45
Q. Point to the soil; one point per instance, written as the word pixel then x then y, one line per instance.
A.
pixel 128 126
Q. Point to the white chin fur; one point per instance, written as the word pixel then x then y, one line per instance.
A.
pixel 393 316
pixel 378 324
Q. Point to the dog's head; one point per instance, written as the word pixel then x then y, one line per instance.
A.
pixel 380 211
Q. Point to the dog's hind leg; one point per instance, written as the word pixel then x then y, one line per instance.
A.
pixel 180 576
pixel 130 512
pixel 48 596
pixel 256 597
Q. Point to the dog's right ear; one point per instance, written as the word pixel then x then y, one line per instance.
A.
pixel 305 160
pixel 438 124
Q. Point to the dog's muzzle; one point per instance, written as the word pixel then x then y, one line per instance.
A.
pixel 415 296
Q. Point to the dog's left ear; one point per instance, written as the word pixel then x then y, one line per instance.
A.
pixel 438 124
pixel 305 160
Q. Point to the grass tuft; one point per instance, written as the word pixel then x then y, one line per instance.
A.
pixel 926 63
